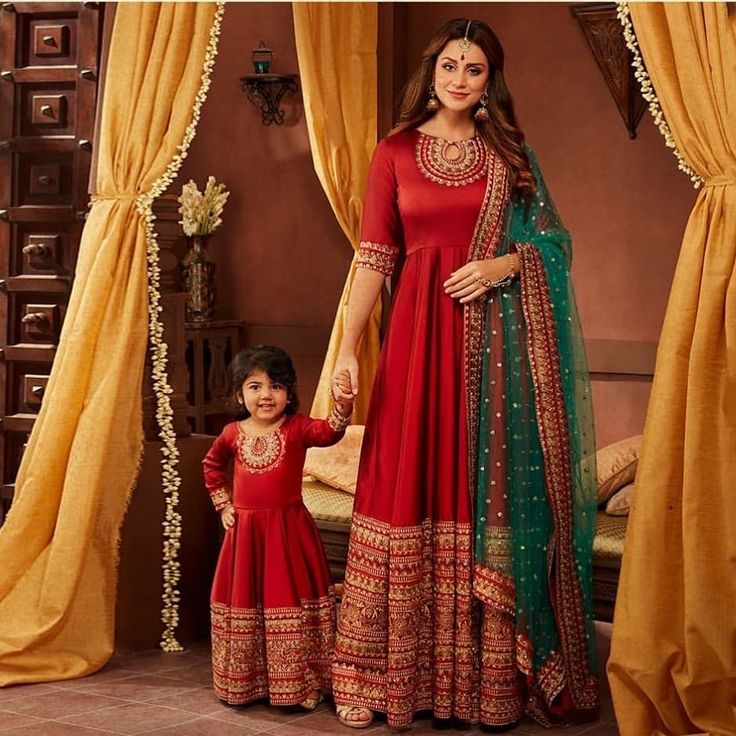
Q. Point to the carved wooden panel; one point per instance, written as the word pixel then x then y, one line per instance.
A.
pixel 48 92
pixel 47 109
pixel 45 179
pixel 49 38
pixel 34 387
pixel 41 323
pixel 604 33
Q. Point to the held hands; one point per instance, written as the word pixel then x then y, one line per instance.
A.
pixel 344 384
pixel 227 516
pixel 476 278
pixel 342 391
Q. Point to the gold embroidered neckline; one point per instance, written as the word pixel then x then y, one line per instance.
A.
pixel 263 452
pixel 451 163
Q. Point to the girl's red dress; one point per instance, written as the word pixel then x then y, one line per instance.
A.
pixel 272 604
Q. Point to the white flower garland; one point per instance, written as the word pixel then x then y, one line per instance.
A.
pixel 170 478
pixel 647 91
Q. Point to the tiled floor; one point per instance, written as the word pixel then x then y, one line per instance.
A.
pixel 169 694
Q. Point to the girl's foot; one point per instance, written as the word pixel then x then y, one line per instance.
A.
pixel 312 700
pixel 354 716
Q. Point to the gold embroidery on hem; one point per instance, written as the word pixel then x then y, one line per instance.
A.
pixel 277 653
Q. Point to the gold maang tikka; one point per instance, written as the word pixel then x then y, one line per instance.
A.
pixel 464 42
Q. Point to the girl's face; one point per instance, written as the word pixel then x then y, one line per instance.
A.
pixel 264 398
pixel 459 82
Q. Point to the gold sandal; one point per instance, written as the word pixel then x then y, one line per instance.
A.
pixel 343 711
pixel 312 701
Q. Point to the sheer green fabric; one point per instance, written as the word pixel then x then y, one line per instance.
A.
pixel 523 506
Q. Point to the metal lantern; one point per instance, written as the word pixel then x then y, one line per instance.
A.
pixel 262 58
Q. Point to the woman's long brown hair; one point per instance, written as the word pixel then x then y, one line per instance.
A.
pixel 501 133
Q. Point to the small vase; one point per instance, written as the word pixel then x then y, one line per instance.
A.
pixel 198 279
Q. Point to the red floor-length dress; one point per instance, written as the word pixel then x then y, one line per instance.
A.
pixel 406 638
pixel 272 604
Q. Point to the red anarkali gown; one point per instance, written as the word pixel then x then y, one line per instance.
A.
pixel 272 604
pixel 406 639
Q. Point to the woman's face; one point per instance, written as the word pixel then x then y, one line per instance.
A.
pixel 460 77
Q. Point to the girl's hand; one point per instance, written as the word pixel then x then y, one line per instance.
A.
pixel 345 378
pixel 227 516
pixel 344 405
pixel 474 279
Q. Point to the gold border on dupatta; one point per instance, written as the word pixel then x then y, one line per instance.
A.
pixel 555 442
pixel 485 241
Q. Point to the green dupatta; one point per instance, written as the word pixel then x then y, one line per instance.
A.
pixel 533 346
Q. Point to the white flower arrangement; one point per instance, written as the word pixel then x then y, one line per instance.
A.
pixel 201 211
pixel 647 91
pixel 170 478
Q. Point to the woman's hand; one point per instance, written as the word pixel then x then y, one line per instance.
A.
pixel 343 397
pixel 345 379
pixel 474 279
pixel 227 516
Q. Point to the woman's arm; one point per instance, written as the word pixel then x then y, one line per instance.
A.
pixel 364 292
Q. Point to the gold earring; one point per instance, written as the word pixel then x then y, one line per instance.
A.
pixel 433 103
pixel 481 114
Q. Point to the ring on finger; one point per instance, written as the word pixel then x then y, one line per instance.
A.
pixel 485 283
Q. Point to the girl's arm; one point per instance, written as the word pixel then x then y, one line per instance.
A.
pixel 367 285
pixel 324 432
pixel 215 466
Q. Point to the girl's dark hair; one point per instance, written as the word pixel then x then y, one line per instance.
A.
pixel 277 365
pixel 501 133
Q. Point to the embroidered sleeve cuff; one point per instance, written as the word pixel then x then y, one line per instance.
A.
pixel 377 256
pixel 337 421
pixel 220 498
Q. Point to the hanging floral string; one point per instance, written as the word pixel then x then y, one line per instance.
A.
pixel 647 91
pixel 170 478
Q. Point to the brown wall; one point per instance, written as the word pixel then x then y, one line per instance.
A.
pixel 282 257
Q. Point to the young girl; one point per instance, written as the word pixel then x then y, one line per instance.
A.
pixel 272 605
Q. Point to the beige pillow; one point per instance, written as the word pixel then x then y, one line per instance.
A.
pixel 616 466
pixel 620 503
pixel 337 466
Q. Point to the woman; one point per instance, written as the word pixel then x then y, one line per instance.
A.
pixel 467 588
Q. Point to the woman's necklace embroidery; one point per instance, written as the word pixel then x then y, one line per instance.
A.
pixel 451 163
pixel 262 453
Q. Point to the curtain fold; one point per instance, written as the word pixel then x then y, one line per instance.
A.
pixel 673 658
pixel 58 546
pixel 336 47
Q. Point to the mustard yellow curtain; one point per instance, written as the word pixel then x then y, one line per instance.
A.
pixel 58 546
pixel 336 46
pixel 673 658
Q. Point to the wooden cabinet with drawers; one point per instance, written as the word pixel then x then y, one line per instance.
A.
pixel 49 59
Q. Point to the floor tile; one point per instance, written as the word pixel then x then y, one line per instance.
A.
pixel 261 717
pixel 132 718
pixel 13 692
pixel 10 720
pixel 205 727
pixel 140 688
pixel 201 701
pixel 156 661
pixel 60 703
pixel 198 674
pixel 54 728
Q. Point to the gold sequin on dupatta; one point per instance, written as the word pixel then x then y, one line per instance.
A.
pixel 451 163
